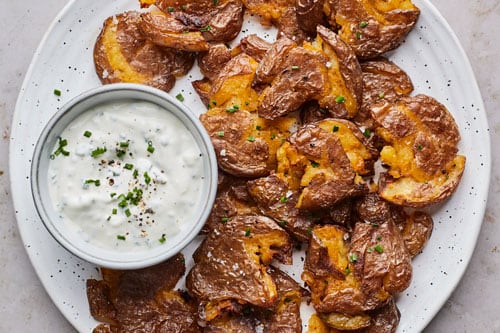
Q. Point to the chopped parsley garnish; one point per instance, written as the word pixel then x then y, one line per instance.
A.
pixel 87 134
pixel 180 97
pixel 98 152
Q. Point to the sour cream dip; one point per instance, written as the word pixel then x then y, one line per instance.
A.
pixel 126 175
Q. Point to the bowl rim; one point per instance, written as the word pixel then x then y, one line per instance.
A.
pixel 112 93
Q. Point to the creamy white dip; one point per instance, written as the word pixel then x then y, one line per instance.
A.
pixel 126 175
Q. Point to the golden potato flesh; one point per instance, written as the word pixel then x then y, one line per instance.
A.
pixel 268 10
pixel 123 54
pixel 372 27
pixel 421 151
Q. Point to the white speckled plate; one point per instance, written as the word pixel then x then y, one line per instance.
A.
pixel 432 57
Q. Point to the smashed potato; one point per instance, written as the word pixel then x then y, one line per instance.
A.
pixel 421 151
pixel 374 27
pixel 123 54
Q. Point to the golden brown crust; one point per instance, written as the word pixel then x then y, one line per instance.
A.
pixel 122 54
pixel 374 27
pixel 421 151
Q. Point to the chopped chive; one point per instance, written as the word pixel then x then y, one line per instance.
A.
pixel 206 28
pixel 420 147
pixel 171 9
pixel 340 99
pixel 87 134
pixel 98 151
pixel 96 182
pixel 353 257
pixel 124 144
pixel 224 219
pixel 283 199
pixel 127 212
pixel 251 138
pixel 314 164
pixel 162 239
pixel 367 133
pixel 57 92
pixel 379 248
pixel 273 136
pixel 220 133
pixel 247 232
pixel 358 34
pixel 363 24
pixel 135 173
pixel 120 237
pixel 120 153
pixel 112 195
pixel 379 238
pixel 381 95
pixel 123 203
pixel 369 250
pixel 114 211
pixel 233 109
pixel 335 128
pixel 128 166
pixel 60 149
pixel 183 7
pixel 295 67
pixel 347 271
pixel 180 97
pixel 258 128
pixel 150 149
pixel 282 223
pixel 147 178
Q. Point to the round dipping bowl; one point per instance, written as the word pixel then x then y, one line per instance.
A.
pixel 116 246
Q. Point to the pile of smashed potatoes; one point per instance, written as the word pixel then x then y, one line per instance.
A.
pixel 298 127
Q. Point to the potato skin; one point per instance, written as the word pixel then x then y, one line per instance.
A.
pixel 140 60
pixel 421 151
pixel 372 28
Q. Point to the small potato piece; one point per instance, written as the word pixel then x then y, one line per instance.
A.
pixel 382 79
pixel 164 30
pixel 421 151
pixel 244 144
pixel 374 27
pixel 142 300
pixel 288 26
pixel 273 61
pixel 230 263
pixel 309 15
pixel 384 319
pixel 122 54
pixel 417 231
pixel 254 46
pixel 212 62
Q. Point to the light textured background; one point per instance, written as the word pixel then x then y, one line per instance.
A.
pixel 473 307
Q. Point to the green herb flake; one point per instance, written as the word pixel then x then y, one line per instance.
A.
pixel 150 148
pixel 224 219
pixel 335 128
pixel 379 238
pixel 171 9
pixel 247 232
pixel 135 173
pixel 220 134
pixel 340 99
pixel 251 138
pixel 258 128
pixel 295 67
pixel 57 92
pixel 120 153
pixel 369 250
pixel 124 144
pixel 127 212
pixel 353 257
pixel 147 178
pixel 206 28
pixel 128 166
pixel 60 149
pixel 283 199
pixel 381 95
pixel 112 195
pixel 162 239
pixel 96 182
pixel 363 24
pixel 273 136
pixel 216 2
pixel 183 7
pixel 420 147
pixel 282 223
pixel 180 97
pixel 98 152
pixel 114 211
pixel 347 271
pixel 233 109
pixel 314 164
pixel 367 133
pixel 379 248
pixel 87 134
pixel 121 237
pixel 358 34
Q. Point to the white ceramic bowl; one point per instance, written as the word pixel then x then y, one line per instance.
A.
pixel 68 237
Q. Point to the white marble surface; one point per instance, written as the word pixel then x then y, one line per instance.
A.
pixel 473 307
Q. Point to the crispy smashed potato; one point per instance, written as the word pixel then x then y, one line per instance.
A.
pixel 268 10
pixel 142 300
pixel 123 54
pixel 230 265
pixel 374 27
pixel 421 151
